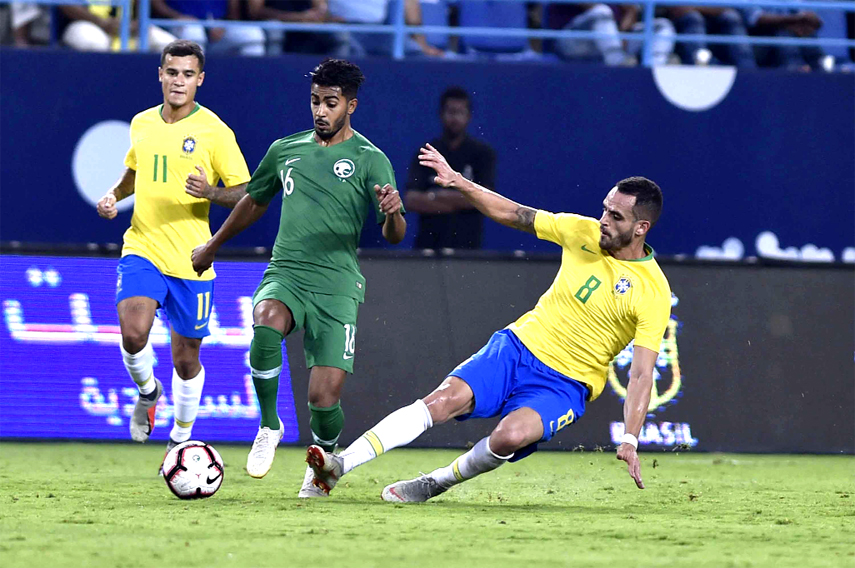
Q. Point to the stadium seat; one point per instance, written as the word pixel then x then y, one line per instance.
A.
pixel 494 15
pixel 435 13
pixel 834 26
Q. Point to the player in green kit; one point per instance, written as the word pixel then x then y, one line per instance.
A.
pixel 330 177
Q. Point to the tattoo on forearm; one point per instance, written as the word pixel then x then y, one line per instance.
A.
pixel 525 219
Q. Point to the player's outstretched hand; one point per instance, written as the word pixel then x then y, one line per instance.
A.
pixel 430 157
pixel 197 185
pixel 389 199
pixel 202 258
pixel 628 454
pixel 107 206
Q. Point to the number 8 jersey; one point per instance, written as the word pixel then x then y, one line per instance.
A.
pixel 596 305
pixel 168 223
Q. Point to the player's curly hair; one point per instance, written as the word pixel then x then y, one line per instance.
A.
pixel 648 197
pixel 339 73
pixel 183 48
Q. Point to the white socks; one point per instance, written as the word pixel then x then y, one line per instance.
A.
pixel 185 397
pixel 476 461
pixel 140 367
pixel 398 429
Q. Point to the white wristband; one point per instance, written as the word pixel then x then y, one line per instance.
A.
pixel 630 439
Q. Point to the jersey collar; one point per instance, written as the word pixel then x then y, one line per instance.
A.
pixel 192 112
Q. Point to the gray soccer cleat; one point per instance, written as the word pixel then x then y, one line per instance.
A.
pixel 416 490
pixel 169 445
pixel 327 468
pixel 309 490
pixel 142 420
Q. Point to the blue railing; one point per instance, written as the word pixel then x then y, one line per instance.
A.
pixel 400 30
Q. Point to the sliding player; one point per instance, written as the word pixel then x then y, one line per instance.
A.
pixel 539 373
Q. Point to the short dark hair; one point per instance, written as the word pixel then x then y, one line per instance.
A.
pixel 339 73
pixel 648 197
pixel 183 48
pixel 456 93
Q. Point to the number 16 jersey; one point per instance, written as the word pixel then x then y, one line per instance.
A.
pixel 327 194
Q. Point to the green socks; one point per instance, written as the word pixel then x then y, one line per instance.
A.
pixel 326 424
pixel 265 361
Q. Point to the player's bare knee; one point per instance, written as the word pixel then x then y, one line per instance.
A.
pixel 508 438
pixel 133 341
pixel 187 367
pixel 273 314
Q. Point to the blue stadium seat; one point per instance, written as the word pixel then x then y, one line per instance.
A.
pixel 494 15
pixel 435 13
pixel 834 26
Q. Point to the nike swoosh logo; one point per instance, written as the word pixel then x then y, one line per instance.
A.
pixel 292 160
pixel 587 250
pixel 347 356
pixel 200 326
pixel 210 480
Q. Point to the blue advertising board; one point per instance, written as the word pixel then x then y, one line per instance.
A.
pixel 755 163
pixel 61 372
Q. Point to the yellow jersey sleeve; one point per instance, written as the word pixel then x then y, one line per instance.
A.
pixel 228 161
pixel 560 227
pixel 131 156
pixel 652 316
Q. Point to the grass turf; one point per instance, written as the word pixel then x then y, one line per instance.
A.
pixel 102 505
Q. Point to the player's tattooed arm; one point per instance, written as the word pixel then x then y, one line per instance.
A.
pixel 125 186
pixel 228 196
pixel 525 219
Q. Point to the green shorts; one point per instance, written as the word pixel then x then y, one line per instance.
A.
pixel 329 321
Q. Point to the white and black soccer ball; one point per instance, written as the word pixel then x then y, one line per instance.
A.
pixel 193 470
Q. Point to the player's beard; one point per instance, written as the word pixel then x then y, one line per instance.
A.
pixel 616 242
pixel 332 131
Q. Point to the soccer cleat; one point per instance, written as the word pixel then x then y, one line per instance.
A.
pixel 309 490
pixel 416 490
pixel 142 420
pixel 327 467
pixel 260 458
pixel 169 445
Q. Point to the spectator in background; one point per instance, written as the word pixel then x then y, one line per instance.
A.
pixel 446 218
pixel 296 11
pixel 717 21
pixel 97 28
pixel 377 12
pixel 245 40
pixel 608 19
pixel 29 24
pixel 784 22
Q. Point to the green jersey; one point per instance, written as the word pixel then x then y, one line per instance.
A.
pixel 328 192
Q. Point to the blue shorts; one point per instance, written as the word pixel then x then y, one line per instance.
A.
pixel 187 302
pixel 504 376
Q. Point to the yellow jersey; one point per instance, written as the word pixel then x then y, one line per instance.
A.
pixel 596 305
pixel 168 223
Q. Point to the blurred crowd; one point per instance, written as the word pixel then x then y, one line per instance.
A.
pixel 95 27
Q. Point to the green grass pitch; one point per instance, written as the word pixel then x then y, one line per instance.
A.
pixel 102 505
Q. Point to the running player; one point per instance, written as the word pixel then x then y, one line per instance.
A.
pixel 330 177
pixel 539 372
pixel 175 149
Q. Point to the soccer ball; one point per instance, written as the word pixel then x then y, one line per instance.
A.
pixel 193 470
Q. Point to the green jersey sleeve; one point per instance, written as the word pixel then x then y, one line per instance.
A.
pixel 265 183
pixel 380 173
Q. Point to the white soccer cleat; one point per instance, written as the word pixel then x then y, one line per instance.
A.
pixel 142 419
pixel 309 490
pixel 260 458
pixel 327 468
pixel 416 490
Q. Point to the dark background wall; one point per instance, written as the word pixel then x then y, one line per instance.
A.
pixel 776 154
pixel 765 353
